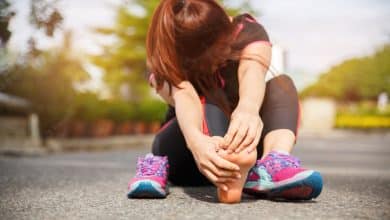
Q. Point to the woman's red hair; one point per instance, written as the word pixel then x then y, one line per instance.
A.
pixel 190 40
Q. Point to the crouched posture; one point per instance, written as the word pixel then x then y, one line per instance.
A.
pixel 225 124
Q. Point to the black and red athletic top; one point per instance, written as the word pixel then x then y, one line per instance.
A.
pixel 247 31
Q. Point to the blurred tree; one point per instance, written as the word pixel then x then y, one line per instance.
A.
pixel 5 16
pixel 46 78
pixel 45 15
pixel 124 61
pixel 355 79
pixel 5 34
pixel 47 82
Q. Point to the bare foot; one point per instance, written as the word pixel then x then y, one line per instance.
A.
pixel 246 161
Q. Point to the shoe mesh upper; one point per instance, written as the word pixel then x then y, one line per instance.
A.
pixel 151 165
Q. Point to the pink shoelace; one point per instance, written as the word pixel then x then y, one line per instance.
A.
pixel 274 162
pixel 151 165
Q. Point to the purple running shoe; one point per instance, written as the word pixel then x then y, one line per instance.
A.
pixel 150 180
pixel 280 176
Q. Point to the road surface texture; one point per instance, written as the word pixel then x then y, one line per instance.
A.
pixel 93 186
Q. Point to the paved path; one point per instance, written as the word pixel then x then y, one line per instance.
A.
pixel 93 186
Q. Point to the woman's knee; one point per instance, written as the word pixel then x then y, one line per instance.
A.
pixel 282 83
pixel 281 91
pixel 280 109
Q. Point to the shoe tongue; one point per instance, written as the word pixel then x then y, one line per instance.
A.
pixel 275 162
pixel 149 156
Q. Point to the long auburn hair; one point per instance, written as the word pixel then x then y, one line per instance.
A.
pixel 190 40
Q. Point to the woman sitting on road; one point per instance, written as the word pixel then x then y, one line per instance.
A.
pixel 225 125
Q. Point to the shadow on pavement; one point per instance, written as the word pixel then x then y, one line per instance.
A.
pixel 209 194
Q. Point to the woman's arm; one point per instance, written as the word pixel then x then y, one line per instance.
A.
pixel 189 116
pixel 246 125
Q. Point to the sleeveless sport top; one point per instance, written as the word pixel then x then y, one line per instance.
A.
pixel 247 31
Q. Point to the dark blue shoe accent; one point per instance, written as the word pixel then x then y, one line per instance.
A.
pixel 314 181
pixel 145 190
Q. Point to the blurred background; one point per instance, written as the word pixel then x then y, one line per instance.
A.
pixel 76 110
pixel 75 70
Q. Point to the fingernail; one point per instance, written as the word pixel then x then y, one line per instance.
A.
pixel 225 188
pixel 238 176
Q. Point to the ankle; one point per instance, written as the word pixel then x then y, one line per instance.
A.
pixel 275 150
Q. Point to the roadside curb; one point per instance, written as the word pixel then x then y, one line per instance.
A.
pixel 342 133
pixel 54 145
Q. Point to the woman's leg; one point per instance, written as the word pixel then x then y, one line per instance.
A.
pixel 217 124
pixel 278 174
pixel 169 141
pixel 280 114
pixel 182 168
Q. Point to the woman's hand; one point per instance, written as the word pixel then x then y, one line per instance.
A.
pixel 244 130
pixel 210 164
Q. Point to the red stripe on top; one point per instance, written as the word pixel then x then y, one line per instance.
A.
pixel 205 128
pixel 238 30
pixel 299 119
pixel 221 80
pixel 166 125
pixel 251 20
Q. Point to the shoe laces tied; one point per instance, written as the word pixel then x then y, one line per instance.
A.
pixel 151 166
pixel 274 162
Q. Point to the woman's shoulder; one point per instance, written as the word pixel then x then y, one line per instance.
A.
pixel 248 30
pixel 245 17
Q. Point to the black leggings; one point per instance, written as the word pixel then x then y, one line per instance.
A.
pixel 280 110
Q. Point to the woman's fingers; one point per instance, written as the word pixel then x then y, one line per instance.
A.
pixel 255 142
pixel 213 178
pixel 231 133
pixel 249 138
pixel 217 182
pixel 238 138
pixel 222 173
pixel 226 180
pixel 224 164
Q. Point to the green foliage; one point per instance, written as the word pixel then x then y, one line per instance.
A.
pixel 88 107
pixel 46 82
pixel 151 110
pixel 46 78
pixel 366 108
pixel 362 122
pixel 121 111
pixel 362 115
pixel 355 79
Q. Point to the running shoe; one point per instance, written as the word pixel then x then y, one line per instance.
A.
pixel 280 176
pixel 150 180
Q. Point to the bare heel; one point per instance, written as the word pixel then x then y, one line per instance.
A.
pixel 245 160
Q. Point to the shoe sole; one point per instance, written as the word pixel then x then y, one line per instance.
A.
pixel 146 189
pixel 303 189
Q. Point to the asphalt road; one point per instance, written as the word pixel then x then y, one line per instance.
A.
pixel 93 186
